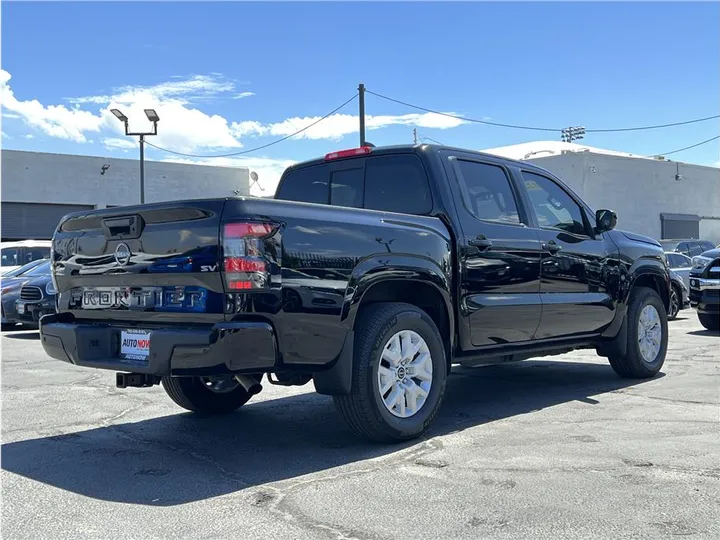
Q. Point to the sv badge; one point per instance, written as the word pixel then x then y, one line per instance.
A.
pixel 208 268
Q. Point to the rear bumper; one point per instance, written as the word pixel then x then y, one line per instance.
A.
pixel 240 347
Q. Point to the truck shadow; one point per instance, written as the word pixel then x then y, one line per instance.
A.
pixel 181 458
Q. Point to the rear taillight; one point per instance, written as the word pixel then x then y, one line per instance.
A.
pixel 245 266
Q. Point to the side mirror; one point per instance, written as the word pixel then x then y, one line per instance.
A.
pixel 605 220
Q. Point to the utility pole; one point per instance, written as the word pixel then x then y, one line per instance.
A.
pixel 415 135
pixel 361 95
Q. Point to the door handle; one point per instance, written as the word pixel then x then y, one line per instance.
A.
pixel 480 242
pixel 551 246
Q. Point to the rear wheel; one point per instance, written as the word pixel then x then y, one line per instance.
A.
pixel 709 320
pixel 210 395
pixel 399 374
pixel 647 335
pixel 675 300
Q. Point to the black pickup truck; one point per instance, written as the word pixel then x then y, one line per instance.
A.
pixel 371 272
pixel 705 288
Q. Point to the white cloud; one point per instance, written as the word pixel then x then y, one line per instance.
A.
pixel 242 95
pixel 269 170
pixel 337 126
pixel 5 135
pixel 113 143
pixel 29 136
pixel 55 120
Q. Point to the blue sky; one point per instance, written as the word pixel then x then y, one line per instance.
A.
pixel 547 64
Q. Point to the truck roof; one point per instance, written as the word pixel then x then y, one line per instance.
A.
pixel 414 149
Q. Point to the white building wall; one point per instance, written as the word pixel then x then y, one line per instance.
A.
pixel 639 190
pixel 40 177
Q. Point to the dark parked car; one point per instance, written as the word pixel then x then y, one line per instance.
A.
pixel 37 298
pixel 679 295
pixel 12 282
pixel 690 247
pixel 407 260
pixel 705 288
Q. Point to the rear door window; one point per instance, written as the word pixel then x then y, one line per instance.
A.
pixel 309 184
pixel 397 183
pixel 487 192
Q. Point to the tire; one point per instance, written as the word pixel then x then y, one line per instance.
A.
pixel 710 321
pixel 675 301
pixel 191 393
pixel 633 364
pixel 364 409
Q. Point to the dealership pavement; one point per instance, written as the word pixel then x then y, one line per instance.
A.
pixel 549 448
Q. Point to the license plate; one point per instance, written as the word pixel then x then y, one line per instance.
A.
pixel 135 344
pixel 21 309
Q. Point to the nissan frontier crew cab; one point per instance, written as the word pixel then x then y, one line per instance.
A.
pixel 371 272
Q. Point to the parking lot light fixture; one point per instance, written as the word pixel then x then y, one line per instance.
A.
pixel 152 115
pixel 120 116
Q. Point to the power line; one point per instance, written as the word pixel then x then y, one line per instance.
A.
pixel 423 139
pixel 257 147
pixel 459 117
pixel 536 128
pixel 688 147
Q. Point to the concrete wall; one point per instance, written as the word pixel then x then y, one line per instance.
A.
pixel 59 178
pixel 639 190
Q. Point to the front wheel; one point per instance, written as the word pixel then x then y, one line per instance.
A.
pixel 675 300
pixel 647 336
pixel 398 376
pixel 710 321
pixel 209 395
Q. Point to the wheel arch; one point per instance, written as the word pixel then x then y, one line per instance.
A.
pixel 654 280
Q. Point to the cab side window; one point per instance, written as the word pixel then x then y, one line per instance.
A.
pixel 554 208
pixel 487 192
pixel 397 183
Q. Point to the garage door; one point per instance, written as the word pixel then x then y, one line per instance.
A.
pixel 680 226
pixel 22 221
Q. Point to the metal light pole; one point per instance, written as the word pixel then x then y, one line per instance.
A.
pixel 154 118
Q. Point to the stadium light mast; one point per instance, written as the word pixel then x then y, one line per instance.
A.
pixel 573 133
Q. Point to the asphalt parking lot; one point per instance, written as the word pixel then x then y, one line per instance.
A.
pixel 549 448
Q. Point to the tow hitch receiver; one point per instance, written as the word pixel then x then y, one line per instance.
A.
pixel 137 380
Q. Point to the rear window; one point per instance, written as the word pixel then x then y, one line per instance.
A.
pixel 309 184
pixel 346 188
pixel 397 184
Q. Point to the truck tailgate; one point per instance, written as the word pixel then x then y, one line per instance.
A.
pixel 151 263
